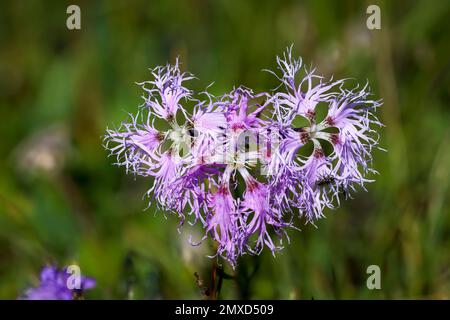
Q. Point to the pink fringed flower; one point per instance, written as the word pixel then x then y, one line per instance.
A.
pixel 237 164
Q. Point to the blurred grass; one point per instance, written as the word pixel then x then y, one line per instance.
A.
pixel 62 201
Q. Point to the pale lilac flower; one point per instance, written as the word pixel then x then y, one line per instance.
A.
pixel 166 91
pixel 133 142
pixel 315 182
pixel 260 215
pixel 223 221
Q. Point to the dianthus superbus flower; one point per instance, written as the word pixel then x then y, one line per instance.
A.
pixel 236 164
pixel 314 182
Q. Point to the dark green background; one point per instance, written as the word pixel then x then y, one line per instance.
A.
pixel 62 201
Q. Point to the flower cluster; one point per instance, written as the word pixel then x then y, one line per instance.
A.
pixel 245 165
pixel 56 284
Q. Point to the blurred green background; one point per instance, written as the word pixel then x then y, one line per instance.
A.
pixel 62 201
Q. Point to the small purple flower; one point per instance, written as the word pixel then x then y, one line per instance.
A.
pixel 54 286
